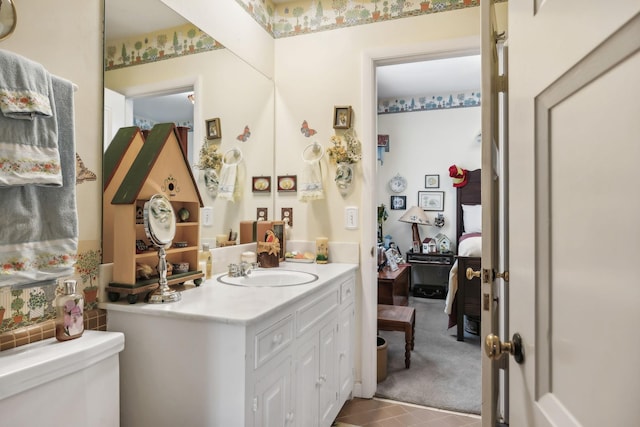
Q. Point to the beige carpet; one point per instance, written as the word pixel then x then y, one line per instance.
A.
pixel 444 372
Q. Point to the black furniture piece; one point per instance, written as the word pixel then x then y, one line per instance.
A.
pixel 430 273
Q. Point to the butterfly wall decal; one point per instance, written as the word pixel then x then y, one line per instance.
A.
pixel 82 172
pixel 244 135
pixel 306 130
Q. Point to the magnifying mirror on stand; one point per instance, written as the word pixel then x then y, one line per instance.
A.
pixel 160 227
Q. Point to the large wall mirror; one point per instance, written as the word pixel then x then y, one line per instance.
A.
pixel 224 87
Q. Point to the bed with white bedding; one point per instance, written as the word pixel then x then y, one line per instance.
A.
pixel 463 296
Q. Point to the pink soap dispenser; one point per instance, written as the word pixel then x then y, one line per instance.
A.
pixel 69 313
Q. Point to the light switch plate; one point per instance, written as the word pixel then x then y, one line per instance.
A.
pixel 351 217
pixel 207 216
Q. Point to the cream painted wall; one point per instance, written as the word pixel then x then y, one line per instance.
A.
pixel 317 71
pixel 421 143
pixel 71 48
pixel 227 88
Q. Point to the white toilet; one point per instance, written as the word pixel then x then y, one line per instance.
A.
pixel 72 383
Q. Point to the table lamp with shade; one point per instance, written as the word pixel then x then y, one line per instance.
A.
pixel 415 216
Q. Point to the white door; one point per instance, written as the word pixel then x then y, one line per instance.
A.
pixel 574 212
pixel 492 241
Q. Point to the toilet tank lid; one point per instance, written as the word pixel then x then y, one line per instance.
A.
pixel 31 365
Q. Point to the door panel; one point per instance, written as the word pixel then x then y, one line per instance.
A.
pixel 574 210
pixel 489 323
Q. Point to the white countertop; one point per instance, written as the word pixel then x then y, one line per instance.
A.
pixel 219 302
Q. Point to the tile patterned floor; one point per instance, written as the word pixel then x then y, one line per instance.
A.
pixel 387 413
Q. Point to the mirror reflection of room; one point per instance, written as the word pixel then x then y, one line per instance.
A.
pixel 158 73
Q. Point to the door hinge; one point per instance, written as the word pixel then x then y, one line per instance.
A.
pixel 502 83
pixel 255 404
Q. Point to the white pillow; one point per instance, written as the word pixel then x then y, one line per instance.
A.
pixel 472 218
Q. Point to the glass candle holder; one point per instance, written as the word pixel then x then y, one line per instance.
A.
pixel 322 250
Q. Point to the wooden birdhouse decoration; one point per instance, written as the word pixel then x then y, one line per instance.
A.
pixel 160 167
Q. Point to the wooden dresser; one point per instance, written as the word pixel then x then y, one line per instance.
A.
pixel 393 286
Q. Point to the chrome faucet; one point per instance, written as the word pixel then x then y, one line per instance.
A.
pixel 243 269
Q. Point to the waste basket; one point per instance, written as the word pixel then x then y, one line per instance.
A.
pixel 382 359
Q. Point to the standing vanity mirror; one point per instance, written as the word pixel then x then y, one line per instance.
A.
pixel 160 228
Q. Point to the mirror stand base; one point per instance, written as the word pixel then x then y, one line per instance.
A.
pixel 161 296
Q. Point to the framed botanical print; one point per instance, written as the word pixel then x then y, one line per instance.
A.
pixel 431 200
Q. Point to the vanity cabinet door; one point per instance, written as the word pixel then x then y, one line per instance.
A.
pixel 346 330
pixel 306 383
pixel 316 378
pixel 272 401
pixel 328 380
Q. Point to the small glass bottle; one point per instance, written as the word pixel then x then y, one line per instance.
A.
pixel 206 261
pixel 69 313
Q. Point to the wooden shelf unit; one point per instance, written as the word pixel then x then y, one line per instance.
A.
pixel 127 232
pixel 156 169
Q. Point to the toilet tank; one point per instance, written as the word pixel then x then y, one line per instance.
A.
pixel 71 383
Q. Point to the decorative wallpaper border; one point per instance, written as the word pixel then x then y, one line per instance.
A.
pixel 279 21
pixel 166 44
pixel 305 17
pixel 430 102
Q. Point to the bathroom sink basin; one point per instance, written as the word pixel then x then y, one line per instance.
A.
pixel 270 278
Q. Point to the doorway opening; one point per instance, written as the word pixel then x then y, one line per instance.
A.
pixel 174 107
pixel 146 107
pixel 425 111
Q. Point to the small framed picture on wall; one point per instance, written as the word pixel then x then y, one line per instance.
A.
pixel 432 181
pixel 287 183
pixel 383 141
pixel 261 184
pixel 213 128
pixel 398 202
pixel 431 200
pixel 342 117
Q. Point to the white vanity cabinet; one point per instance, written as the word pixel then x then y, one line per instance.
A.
pixel 309 382
pixel 209 360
